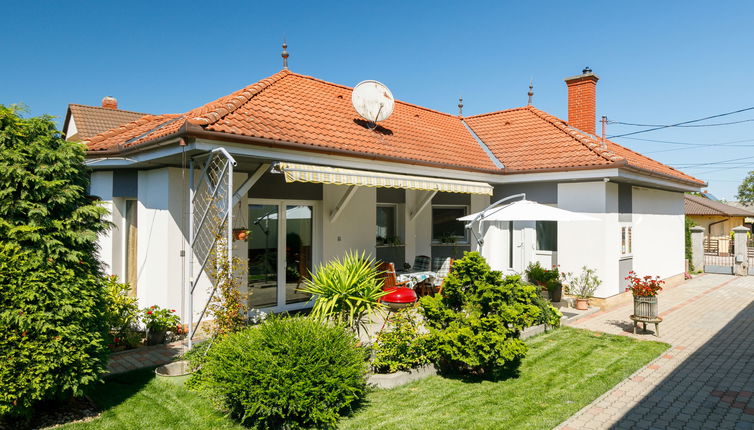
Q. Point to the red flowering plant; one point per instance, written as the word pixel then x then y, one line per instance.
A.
pixel 157 319
pixel 646 286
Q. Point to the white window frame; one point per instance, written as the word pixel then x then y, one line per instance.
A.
pixel 395 222
pixel 459 241
pixel 626 229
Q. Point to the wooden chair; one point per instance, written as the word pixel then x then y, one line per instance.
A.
pixel 421 263
pixel 389 278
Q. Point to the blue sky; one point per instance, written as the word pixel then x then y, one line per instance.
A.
pixel 659 62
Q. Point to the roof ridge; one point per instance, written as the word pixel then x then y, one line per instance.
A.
pixel 225 105
pixel 500 111
pixel 346 87
pixel 576 134
pixel 109 109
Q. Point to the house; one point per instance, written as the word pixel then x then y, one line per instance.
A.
pixel 312 180
pixel 83 122
pixel 717 218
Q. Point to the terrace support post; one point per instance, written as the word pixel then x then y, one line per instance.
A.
pixel 697 247
pixel 741 261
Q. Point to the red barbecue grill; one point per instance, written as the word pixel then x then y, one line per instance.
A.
pixel 399 296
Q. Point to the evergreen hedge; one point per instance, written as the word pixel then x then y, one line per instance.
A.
pixel 52 294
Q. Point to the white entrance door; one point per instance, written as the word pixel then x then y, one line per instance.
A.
pixel 282 251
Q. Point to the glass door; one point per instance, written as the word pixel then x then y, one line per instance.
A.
pixel 263 255
pixel 281 253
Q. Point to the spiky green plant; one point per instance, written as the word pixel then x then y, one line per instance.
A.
pixel 347 290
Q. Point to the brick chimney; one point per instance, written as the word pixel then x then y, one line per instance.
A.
pixel 582 100
pixel 110 102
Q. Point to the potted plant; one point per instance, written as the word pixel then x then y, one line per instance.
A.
pixel 159 321
pixel 547 279
pixel 644 290
pixel 241 233
pixel 582 286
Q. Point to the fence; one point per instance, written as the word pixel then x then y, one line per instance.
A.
pixel 719 255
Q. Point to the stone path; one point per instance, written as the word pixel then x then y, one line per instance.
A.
pixel 132 359
pixel 704 381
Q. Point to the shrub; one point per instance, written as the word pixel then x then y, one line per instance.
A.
pixel 347 290
pixel 548 278
pixel 52 295
pixel 286 372
pixel 402 347
pixel 549 315
pixel 475 325
pixel 121 310
pixel 53 330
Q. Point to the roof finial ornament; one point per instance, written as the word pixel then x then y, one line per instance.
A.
pixel 531 90
pixel 460 106
pixel 586 70
pixel 284 54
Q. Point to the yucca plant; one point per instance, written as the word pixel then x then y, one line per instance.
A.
pixel 347 290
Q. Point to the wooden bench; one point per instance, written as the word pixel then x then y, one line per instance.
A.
pixel 644 320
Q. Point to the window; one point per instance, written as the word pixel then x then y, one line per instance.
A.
pixel 445 225
pixel 386 234
pixel 626 239
pixel 547 235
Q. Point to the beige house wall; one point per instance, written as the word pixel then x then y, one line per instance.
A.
pixel 717 228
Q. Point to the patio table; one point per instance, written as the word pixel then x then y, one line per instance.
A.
pixel 414 278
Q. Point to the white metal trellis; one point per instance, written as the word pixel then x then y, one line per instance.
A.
pixel 210 215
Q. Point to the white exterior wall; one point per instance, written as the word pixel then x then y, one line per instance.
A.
pixel 590 243
pixel 354 228
pixel 101 185
pixel 658 238
pixel 418 232
pixel 159 264
pixel 478 203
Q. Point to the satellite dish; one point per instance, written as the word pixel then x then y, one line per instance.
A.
pixel 372 100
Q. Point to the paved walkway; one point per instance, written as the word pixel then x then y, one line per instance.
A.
pixel 705 380
pixel 132 359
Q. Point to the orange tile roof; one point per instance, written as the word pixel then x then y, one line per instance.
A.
pixel 527 139
pixel 291 108
pixel 93 120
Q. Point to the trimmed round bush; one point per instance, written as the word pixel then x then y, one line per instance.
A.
pixel 291 372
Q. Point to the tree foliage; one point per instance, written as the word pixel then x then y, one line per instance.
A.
pixel 475 325
pixel 52 294
pixel 746 189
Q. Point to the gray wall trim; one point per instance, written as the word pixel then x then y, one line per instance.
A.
pixel 540 192
pixel 126 183
pixel 452 199
pixel 273 186
pixel 496 161
pixel 391 195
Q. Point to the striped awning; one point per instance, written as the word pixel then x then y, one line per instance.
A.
pixel 363 178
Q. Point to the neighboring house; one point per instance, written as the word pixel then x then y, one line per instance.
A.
pixel 83 122
pixel 717 218
pixel 299 219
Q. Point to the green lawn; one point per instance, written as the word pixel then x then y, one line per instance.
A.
pixel 564 371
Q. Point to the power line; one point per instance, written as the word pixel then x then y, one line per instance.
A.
pixel 716 162
pixel 672 142
pixel 682 123
pixel 692 125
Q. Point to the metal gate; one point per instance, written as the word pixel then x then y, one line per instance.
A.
pixel 719 256
pixel 210 217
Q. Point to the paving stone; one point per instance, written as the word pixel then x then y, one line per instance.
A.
pixel 706 378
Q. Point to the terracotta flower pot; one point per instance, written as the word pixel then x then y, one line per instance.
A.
pixel 582 304
pixel 240 234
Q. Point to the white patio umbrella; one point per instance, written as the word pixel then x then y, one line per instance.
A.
pixel 522 210
pixel 526 210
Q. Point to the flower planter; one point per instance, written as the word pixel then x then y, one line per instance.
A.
pixel 240 234
pixel 156 337
pixel 645 307
pixel 556 294
pixel 582 304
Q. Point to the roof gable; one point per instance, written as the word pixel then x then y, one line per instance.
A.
pixel 92 120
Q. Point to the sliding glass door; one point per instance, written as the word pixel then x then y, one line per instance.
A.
pixel 281 252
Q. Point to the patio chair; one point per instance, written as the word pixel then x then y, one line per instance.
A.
pixel 442 273
pixel 388 276
pixel 421 263
pixel 437 263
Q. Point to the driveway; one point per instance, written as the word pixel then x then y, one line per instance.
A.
pixel 705 380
